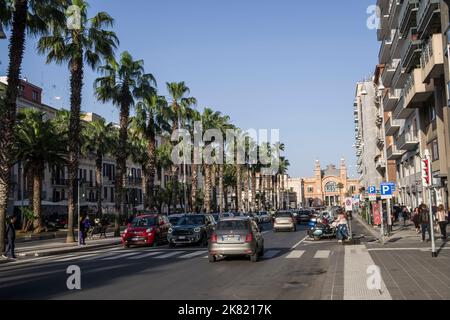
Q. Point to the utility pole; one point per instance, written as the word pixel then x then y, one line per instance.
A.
pixel 427 181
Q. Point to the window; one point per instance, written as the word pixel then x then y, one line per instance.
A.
pixel 434 150
pixel 331 187
pixel 105 193
pixel 432 113
pixel 35 95
pixel 310 189
pixel 112 194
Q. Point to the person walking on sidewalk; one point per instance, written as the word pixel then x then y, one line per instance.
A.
pixel 416 218
pixel 424 219
pixel 11 238
pixel 82 232
pixel 442 221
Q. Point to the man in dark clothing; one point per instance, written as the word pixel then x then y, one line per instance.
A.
pixel 424 219
pixel 11 238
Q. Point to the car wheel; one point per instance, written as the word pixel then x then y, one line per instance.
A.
pixel 211 258
pixel 261 252
pixel 254 257
pixel 204 241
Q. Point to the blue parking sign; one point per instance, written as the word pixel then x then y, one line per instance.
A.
pixel 387 190
pixel 372 190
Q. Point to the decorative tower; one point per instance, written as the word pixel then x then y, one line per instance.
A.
pixel 318 190
pixel 343 176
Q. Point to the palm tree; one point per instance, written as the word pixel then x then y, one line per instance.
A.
pixel 38 144
pixel 282 171
pixel 149 122
pixel 98 140
pixel 194 117
pixel 122 84
pixel 90 43
pixel 163 163
pixel 22 16
pixel 180 105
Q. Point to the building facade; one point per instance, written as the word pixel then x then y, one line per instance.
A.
pixel 414 61
pixel 328 187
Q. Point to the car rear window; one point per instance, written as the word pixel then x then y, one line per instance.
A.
pixel 283 214
pixel 304 212
pixel 143 222
pixel 233 225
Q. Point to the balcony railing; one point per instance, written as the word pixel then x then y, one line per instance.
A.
pixel 388 72
pixel 393 153
pixel 394 10
pixel 380 163
pixel 385 49
pixel 408 141
pixel 432 58
pixel 398 81
pixel 411 51
pixel 407 17
pixel 391 98
pixel 391 127
pixel 428 18
pixel 400 112
pixel 416 91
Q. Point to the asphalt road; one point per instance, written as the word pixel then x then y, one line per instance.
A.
pixel 293 268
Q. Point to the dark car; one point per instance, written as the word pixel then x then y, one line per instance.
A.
pixel 149 230
pixel 192 229
pixel 303 216
pixel 174 218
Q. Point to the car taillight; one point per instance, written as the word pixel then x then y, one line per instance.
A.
pixel 214 238
pixel 249 238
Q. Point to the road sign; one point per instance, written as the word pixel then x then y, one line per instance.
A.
pixel 387 190
pixel 373 197
pixel 348 204
pixel 372 190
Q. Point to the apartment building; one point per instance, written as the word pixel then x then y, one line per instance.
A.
pixel 414 75
pixel 369 134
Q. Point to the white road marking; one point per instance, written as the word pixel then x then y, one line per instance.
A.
pixel 271 253
pixel 192 255
pixel 168 255
pixel 322 254
pixel 76 258
pixel 142 256
pixel 295 254
pixel 299 243
pixel 120 256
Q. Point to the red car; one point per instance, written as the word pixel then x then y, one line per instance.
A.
pixel 148 230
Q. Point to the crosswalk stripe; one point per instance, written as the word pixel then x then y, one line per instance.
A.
pixel 192 255
pixel 322 254
pixel 295 254
pixel 271 253
pixel 77 257
pixel 168 255
pixel 120 256
pixel 142 256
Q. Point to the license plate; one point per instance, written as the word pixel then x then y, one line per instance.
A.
pixel 135 239
pixel 229 238
pixel 181 237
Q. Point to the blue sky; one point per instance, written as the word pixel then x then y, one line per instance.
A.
pixel 287 64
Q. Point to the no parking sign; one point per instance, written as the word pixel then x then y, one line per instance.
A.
pixel 348 204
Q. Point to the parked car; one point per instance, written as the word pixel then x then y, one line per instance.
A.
pixel 263 217
pixel 304 216
pixel 149 230
pixel 216 217
pixel 284 220
pixel 192 229
pixel 227 215
pixel 236 237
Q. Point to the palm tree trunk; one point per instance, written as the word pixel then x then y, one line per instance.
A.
pixel 220 200
pixel 238 188
pixel 37 193
pixel 76 85
pixel 8 111
pixel 246 188
pixel 98 182
pixel 151 170
pixel 194 187
pixel 253 190
pixel 121 160
pixel 207 188
pixel 225 196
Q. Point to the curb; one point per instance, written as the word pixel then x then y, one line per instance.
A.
pixel 374 234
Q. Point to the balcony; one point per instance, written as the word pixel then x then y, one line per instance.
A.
pixel 399 79
pixel 391 98
pixel 394 11
pixel 407 141
pixel 385 49
pixel 407 16
pixel 416 91
pixel 383 28
pixel 393 153
pixel 380 164
pixel 133 181
pixel 432 59
pixel 411 51
pixel 398 43
pixel 400 111
pixel 388 72
pixel 428 17
pixel 391 127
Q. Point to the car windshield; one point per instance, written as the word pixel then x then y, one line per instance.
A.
pixel 283 214
pixel 174 220
pixel 143 222
pixel 233 225
pixel 303 213
pixel 191 220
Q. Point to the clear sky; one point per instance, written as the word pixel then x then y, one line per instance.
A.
pixel 277 64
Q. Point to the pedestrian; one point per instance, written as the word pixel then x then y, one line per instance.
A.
pixel 424 220
pixel 87 227
pixel 82 232
pixel 10 234
pixel 416 218
pixel 341 226
pixel 405 215
pixel 442 221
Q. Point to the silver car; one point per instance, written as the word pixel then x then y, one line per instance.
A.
pixel 238 236
pixel 284 220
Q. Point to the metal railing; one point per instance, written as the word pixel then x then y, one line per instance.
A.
pixel 427 52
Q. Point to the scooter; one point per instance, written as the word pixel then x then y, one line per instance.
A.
pixel 321 231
